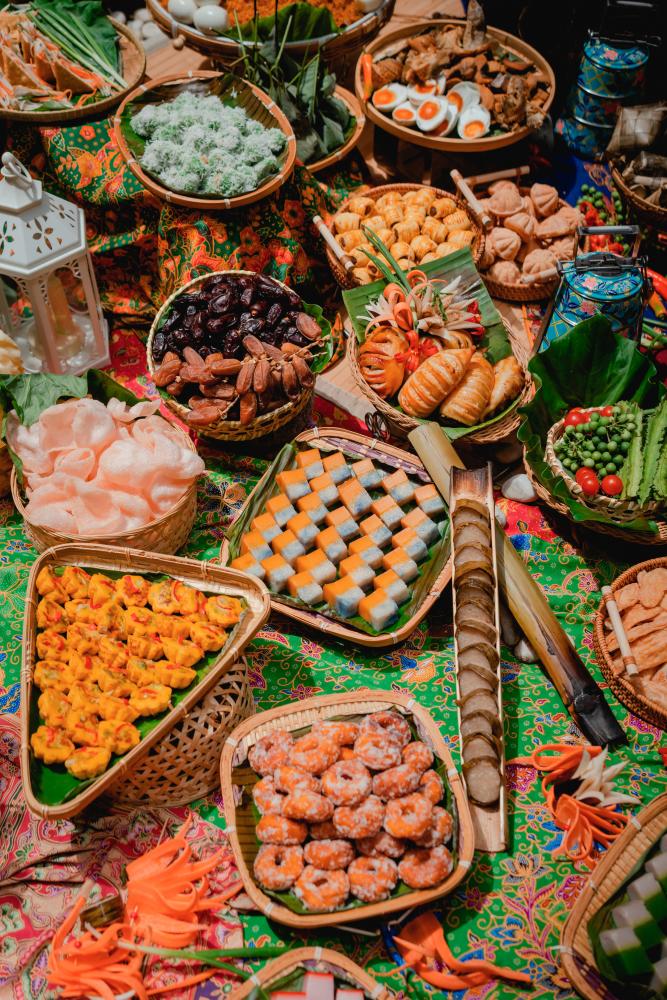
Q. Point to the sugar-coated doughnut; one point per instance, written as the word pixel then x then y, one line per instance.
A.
pixel 408 817
pixel 424 868
pixel 372 879
pixel 322 890
pixel 362 820
pixel 329 854
pixel 277 867
pixel 270 752
pixel 346 782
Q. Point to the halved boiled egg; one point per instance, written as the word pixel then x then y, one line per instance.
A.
pixel 474 122
pixel 464 94
pixel 405 114
pixel 431 113
pixel 418 92
pixel 451 114
pixel 389 97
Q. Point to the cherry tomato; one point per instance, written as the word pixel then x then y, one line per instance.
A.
pixel 574 418
pixel 607 411
pixel 584 473
pixel 590 486
pixel 611 485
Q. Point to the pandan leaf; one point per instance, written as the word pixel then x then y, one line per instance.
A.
pixel 382 267
pixel 377 243
pixel 655 444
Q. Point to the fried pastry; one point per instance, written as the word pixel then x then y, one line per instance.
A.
pixel 81 727
pixel 51 744
pixel 173 675
pixel 162 599
pixel 182 652
pixel 470 398
pixel 223 610
pixel 151 699
pixel 133 590
pixel 51 645
pixel 88 761
pixel 53 707
pixel 50 585
pixel 145 647
pixel 118 737
pixel 75 581
pixel 433 380
pixel 52 674
pixel 100 590
pixel 207 636
pixel 52 615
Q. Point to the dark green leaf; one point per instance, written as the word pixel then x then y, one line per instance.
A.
pixel 332 134
pixel 30 395
pixel 91 14
pixel 308 86
pixel 307 22
pixel 309 147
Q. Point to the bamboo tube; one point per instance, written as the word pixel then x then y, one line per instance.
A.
pixel 621 637
pixel 470 197
pixel 581 695
pixel 330 241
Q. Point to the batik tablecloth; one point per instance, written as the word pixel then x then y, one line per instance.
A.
pixel 512 906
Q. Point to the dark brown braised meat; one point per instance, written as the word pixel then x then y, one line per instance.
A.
pixel 236 347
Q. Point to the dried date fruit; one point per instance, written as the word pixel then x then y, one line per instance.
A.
pixel 307 326
pixel 303 372
pixel 193 359
pixel 244 378
pixel 203 416
pixel 290 381
pixel 225 368
pixel 248 408
pixel 168 370
pixel 262 375
pixel 223 391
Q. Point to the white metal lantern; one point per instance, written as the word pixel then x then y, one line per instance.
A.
pixel 57 320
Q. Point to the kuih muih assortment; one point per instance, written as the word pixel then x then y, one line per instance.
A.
pixel 349 809
pixel 349 536
pixel 110 652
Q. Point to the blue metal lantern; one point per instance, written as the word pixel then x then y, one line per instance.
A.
pixel 599 282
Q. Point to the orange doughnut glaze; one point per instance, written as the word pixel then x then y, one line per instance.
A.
pixel 423 868
pixel 431 786
pixel 396 782
pixel 278 867
pixel 382 844
pixel 346 782
pixel 329 854
pixel 363 820
pixel 281 830
pixel 419 755
pixel 323 831
pixel 408 817
pixel 389 722
pixel 440 830
pixel 314 753
pixel 266 797
pixel 372 879
pixel 289 779
pixel 270 752
pixel 311 807
pixel 377 750
pixel 342 733
pixel 322 890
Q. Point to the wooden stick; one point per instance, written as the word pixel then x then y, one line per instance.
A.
pixel 581 695
pixel 473 201
pixel 331 242
pixel 532 279
pixel 619 631
pixel 498 175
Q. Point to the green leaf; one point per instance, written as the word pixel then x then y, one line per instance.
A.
pixel 589 366
pixel 85 16
pixel 653 449
pixel 332 134
pixel 307 22
pixel 309 147
pixel 30 395
pixel 308 85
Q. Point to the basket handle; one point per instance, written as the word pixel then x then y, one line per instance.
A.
pixel 330 241
pixel 609 230
pixel 533 279
pixel 476 206
pixel 619 631
pixel 512 173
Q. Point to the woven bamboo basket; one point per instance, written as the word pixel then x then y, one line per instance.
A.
pixel 620 510
pixel 623 534
pixel 6 468
pixel 354 107
pixel 285 418
pixel 315 959
pixel 396 458
pixel 166 534
pixel 646 213
pixel 254 101
pixel 133 68
pixel 344 277
pixel 400 424
pixel 202 575
pixel 612 871
pixel 340 50
pixel 241 829
pixel 628 693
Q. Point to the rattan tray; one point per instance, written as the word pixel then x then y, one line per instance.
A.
pixel 258 104
pixel 344 277
pixel 319 959
pixel 622 685
pixel 166 534
pixel 389 40
pixel 228 430
pixel 639 835
pixel 241 831
pixel 399 424
pixel 207 576
pixel 646 213
pixel 133 67
pixel 357 443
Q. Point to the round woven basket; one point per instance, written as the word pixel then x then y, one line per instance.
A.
pixel 133 67
pixel 400 424
pixel 232 430
pixel 318 959
pixel 185 764
pixel 619 510
pixel 345 278
pixel 621 684
pixel 623 534
pixel 647 214
pixel 166 534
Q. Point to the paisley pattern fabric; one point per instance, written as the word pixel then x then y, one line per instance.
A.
pixel 512 906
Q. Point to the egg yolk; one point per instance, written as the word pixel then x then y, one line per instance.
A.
pixel 425 88
pixel 473 129
pixel 456 100
pixel 428 110
pixel 383 96
pixel 404 115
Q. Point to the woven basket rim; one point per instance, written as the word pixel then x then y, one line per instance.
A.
pixel 608 877
pixel 325 706
pixel 641 204
pixel 605 504
pixel 319 621
pixel 396 418
pixel 208 576
pixel 266 421
pixel 295 957
pixel 155 524
pixel 621 684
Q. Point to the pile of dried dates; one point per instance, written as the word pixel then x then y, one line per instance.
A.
pixel 235 347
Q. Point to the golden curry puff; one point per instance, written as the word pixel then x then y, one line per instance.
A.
pixel 207 636
pixel 172 627
pixel 146 647
pixel 81 727
pixel 50 585
pixel 52 674
pixel 113 653
pixel 83 639
pixel 118 737
pixel 53 707
pixel 189 600
pixel 162 599
pixel 83 667
pixel 100 590
pixel 223 610
pixel 86 696
pixel 173 675
pixel 140 621
pixel 133 590
pixel 75 581
pixel 182 652
pixel 118 709
pixel 52 615
pixel 114 682
pixel 88 762
pixel 51 744
pixel 51 645
pixel 140 671
pixel 151 699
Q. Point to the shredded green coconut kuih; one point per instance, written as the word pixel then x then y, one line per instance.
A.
pixel 201 146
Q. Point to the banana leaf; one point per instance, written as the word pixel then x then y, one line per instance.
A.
pixel 494 340
pixel 304 20
pixel 589 366
pixel 429 569
pixel 245 777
